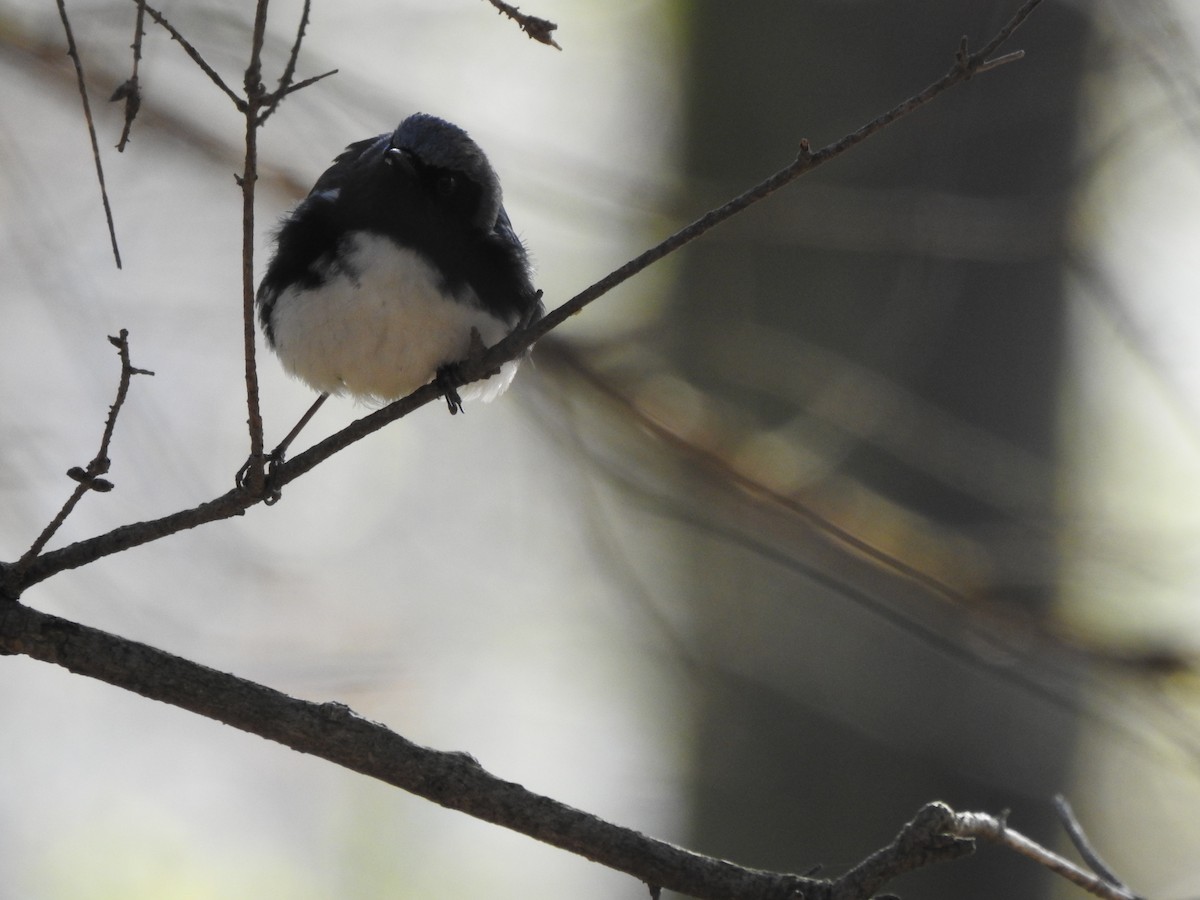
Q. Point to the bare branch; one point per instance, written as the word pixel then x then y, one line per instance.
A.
pixel 929 838
pixel 1018 18
pixel 1078 837
pixel 73 52
pixel 541 30
pixel 335 733
pixel 965 66
pixel 130 90
pixel 938 833
pixel 995 829
pixel 89 478
pixel 291 89
pixel 232 503
pixel 253 475
pixel 999 61
pixel 289 70
pixel 195 55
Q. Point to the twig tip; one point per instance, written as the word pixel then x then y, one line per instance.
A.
pixel 988 64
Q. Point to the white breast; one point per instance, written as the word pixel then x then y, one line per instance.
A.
pixel 381 328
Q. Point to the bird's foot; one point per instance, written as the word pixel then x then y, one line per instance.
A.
pixel 251 471
pixel 449 378
pixel 533 313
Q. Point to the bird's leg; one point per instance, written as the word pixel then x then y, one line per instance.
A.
pixel 449 381
pixel 535 312
pixel 449 377
pixel 277 455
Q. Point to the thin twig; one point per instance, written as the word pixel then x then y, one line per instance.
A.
pixel 73 52
pixel 995 829
pixel 289 69
pixel 130 90
pixel 256 96
pixel 999 61
pixel 541 30
pixel 291 89
pixel 1006 31
pixel 195 55
pixel 925 840
pixel 121 342
pixel 1079 838
pixel 965 66
pixel 232 503
pixel 280 452
pixel 88 479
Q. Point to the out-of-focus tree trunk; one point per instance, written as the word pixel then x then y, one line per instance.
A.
pixel 928 261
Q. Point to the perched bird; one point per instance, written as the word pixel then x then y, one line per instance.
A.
pixel 400 263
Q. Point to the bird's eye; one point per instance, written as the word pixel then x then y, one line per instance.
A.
pixel 447 185
pixel 398 156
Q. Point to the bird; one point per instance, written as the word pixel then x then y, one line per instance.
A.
pixel 399 264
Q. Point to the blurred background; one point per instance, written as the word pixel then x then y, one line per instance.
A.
pixel 883 493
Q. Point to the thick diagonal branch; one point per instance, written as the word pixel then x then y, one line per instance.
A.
pixel 333 732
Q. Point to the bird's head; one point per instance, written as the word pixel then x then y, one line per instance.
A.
pixel 449 166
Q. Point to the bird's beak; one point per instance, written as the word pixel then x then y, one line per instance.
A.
pixel 400 159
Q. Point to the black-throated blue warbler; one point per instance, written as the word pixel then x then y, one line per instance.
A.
pixel 398 265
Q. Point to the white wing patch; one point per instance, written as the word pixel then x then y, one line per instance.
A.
pixel 380 327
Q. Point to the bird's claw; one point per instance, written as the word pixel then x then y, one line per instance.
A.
pixel 450 378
